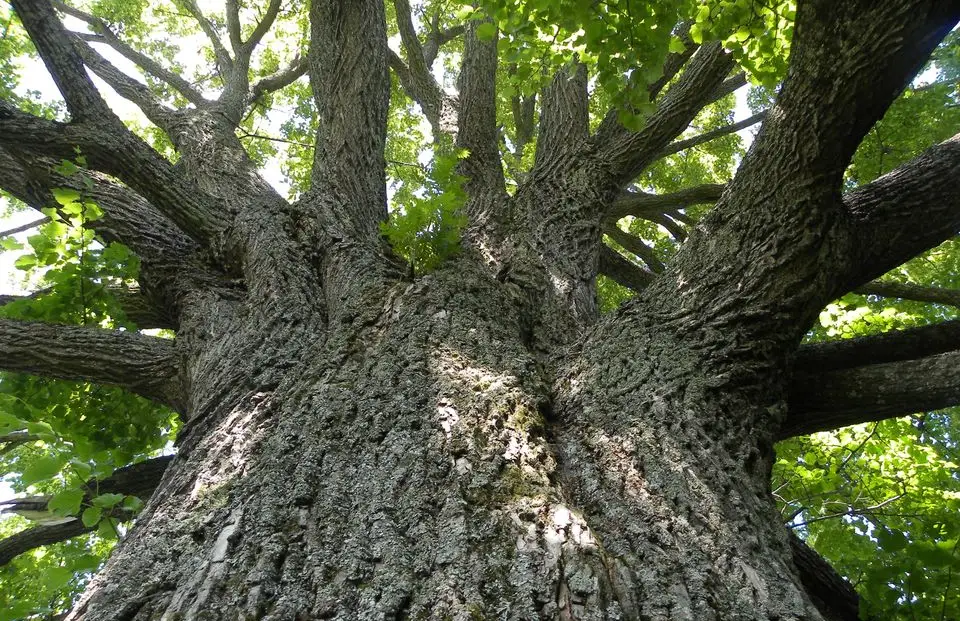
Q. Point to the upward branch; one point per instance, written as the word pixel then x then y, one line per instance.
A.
pixel 224 61
pixel 785 200
pixel 122 155
pixel 416 77
pixel 351 87
pixel 105 35
pixel 102 136
pixel 628 153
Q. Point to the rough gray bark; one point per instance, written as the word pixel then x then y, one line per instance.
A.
pixel 478 443
pixel 145 365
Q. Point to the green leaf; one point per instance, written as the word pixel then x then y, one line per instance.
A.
pixel 66 502
pixel 132 504
pixel 26 262
pixel 10 243
pixel 56 577
pixel 65 196
pixel 108 528
pixel 696 33
pixel 91 516
pixel 81 468
pixel 42 429
pixel 43 468
pixel 108 500
pixel 486 31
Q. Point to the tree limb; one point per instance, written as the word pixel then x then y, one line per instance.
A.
pixel 140 480
pixel 224 62
pixel 352 107
pixel 635 245
pixel 127 87
pixel 478 133
pixel 627 153
pixel 564 114
pixel 144 365
pixel 105 35
pixel 825 400
pixel 675 60
pixel 169 262
pixel 643 205
pixel 906 211
pixel 23 227
pixel 693 141
pixel 278 80
pixel 122 155
pixel 438 38
pixel 108 144
pixel 833 595
pixel 909 291
pixel 233 25
pixel 262 27
pixel 417 80
pixel 409 38
pixel 61 59
pixel 786 193
pixel 622 271
pixel 127 218
pixel 137 307
pixel 893 346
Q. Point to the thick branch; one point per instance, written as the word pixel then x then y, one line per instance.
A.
pixel 408 36
pixel 437 39
pixel 564 114
pixel 627 153
pixel 909 291
pixel 643 205
pixel 276 81
pixel 56 49
pixel 486 207
pixel 833 595
pixel 138 480
pixel 635 245
pixel 142 364
pixel 105 35
pixel 621 271
pixel 907 211
pixel 233 25
pixel 135 305
pixel 351 87
pixel 127 87
pixel 825 400
pixel 122 155
pixel 169 265
pixel 780 231
pixel 693 141
pixel 891 346
pixel 478 113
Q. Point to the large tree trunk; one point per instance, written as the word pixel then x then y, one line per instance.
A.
pixel 418 462
pixel 477 444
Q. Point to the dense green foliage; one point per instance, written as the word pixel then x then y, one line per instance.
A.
pixel 880 501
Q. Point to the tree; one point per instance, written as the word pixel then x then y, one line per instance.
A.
pixel 423 414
